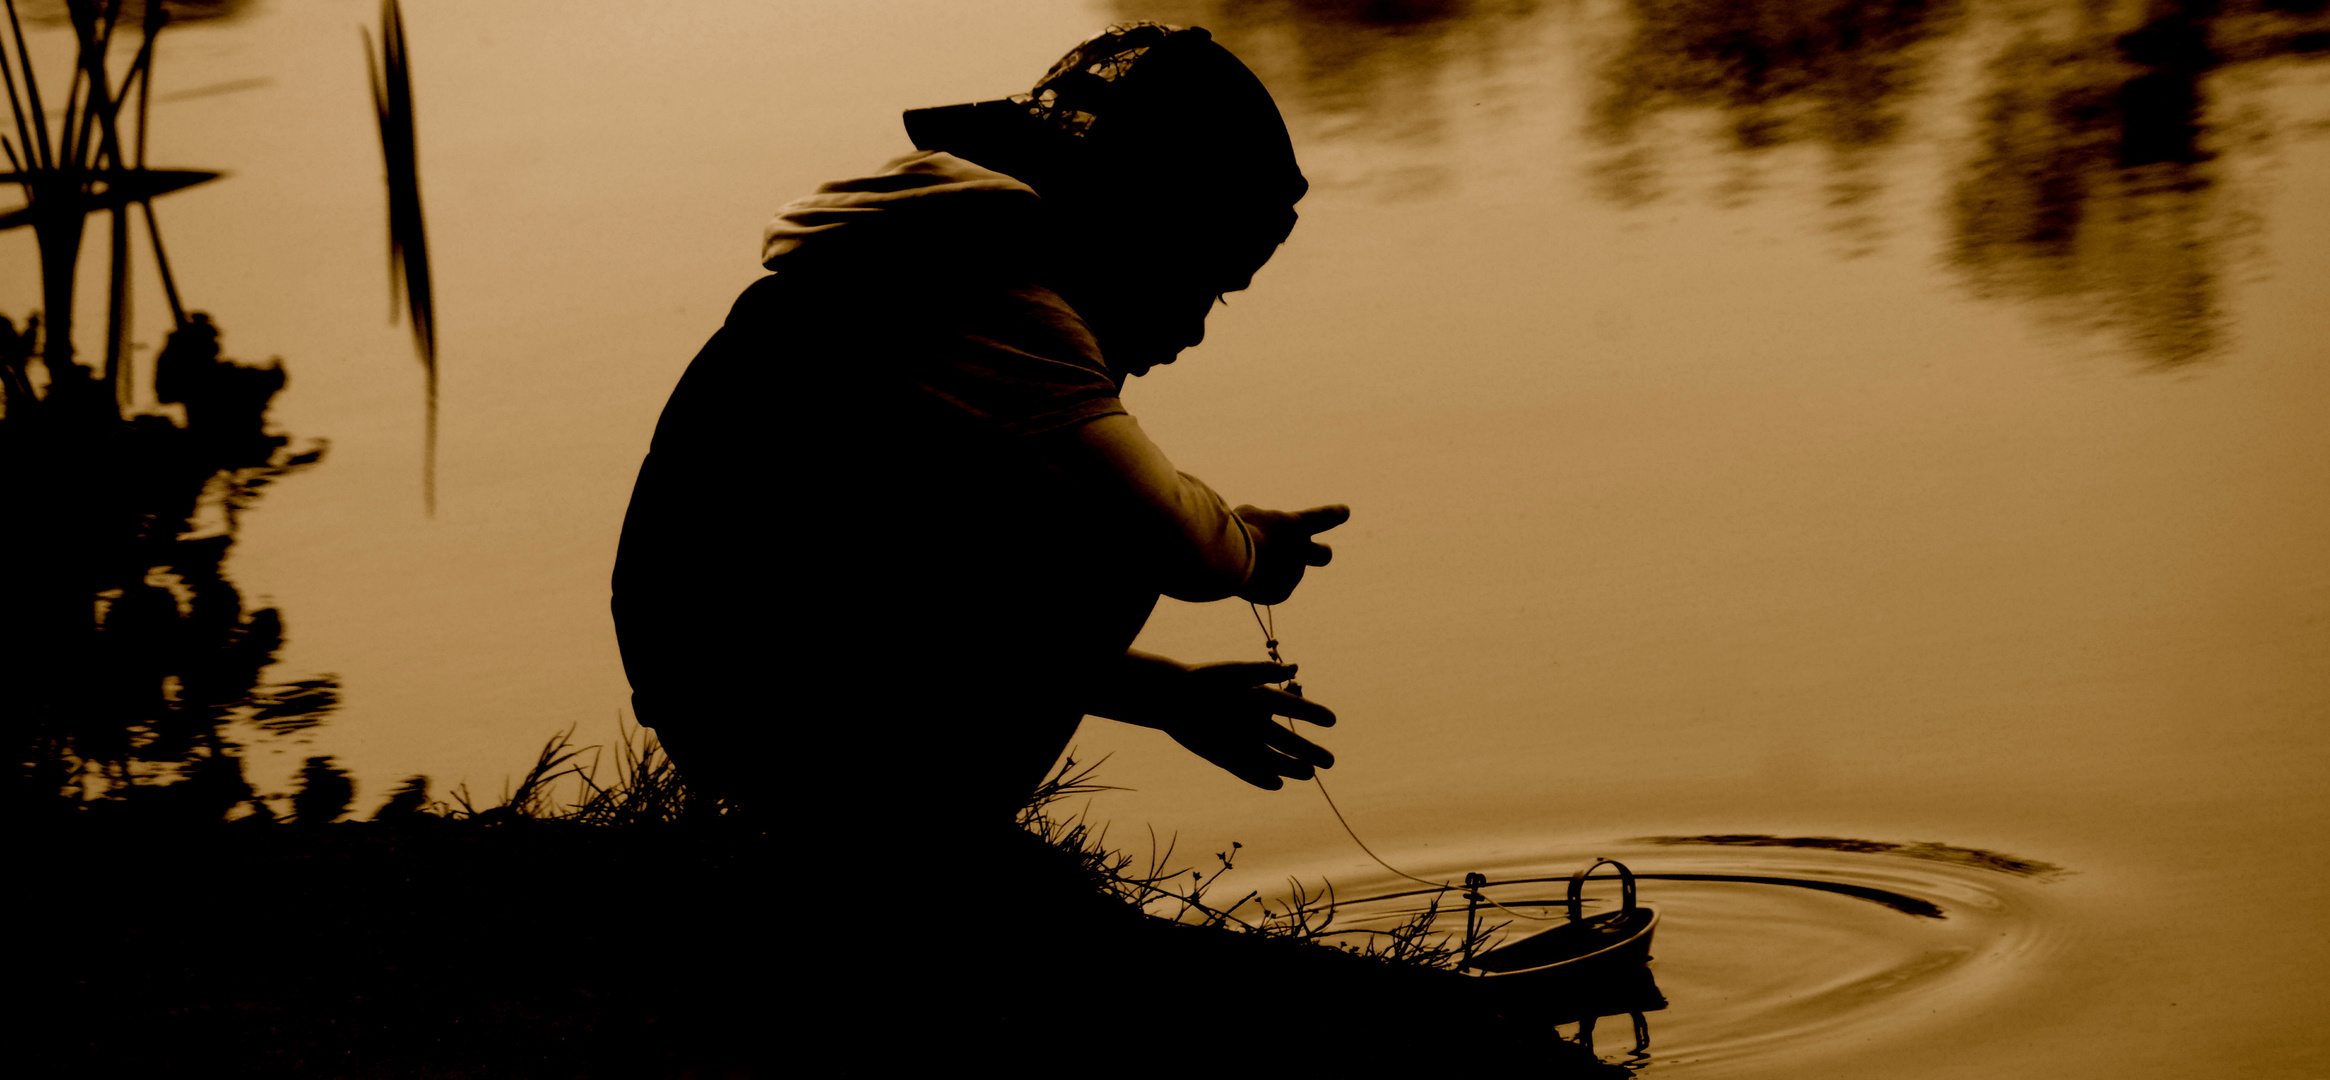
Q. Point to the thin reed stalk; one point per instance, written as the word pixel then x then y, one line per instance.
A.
pixel 408 238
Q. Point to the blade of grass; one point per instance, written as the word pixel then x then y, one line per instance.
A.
pixel 162 263
pixel 143 71
pixel 408 241
pixel 15 100
pixel 40 121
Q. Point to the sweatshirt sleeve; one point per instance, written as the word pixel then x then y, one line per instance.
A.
pixel 1206 550
pixel 1028 368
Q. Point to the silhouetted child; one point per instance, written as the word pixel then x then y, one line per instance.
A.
pixel 898 531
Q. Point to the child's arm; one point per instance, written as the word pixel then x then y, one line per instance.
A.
pixel 1212 552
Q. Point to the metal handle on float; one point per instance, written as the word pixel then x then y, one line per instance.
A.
pixel 1577 900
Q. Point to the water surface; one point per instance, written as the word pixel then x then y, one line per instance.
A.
pixel 1903 422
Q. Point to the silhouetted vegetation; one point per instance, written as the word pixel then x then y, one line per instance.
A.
pixel 1179 894
pixel 596 919
pixel 134 662
pixel 324 795
pixel 565 786
pixel 138 658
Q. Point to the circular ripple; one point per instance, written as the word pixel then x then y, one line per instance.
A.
pixel 1770 954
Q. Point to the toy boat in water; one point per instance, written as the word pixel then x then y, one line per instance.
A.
pixel 1596 947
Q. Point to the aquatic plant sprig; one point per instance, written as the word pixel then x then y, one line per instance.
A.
pixel 1305 916
pixel 1415 942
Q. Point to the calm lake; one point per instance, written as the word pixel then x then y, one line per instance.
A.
pixel 1897 422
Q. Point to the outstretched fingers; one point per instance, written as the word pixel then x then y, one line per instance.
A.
pixel 1299 750
pixel 1261 778
pixel 1250 761
pixel 1230 708
pixel 1297 707
pixel 1319 519
pixel 1262 766
pixel 1316 520
pixel 1230 674
pixel 1243 678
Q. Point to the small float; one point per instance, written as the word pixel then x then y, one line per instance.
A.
pixel 1575 955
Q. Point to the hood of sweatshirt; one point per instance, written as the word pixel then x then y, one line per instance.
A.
pixel 928 205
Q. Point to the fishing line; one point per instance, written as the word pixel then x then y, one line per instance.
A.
pixel 1269 625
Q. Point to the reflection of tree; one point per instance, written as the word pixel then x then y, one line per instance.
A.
pixel 125 653
pixel 324 793
pixel 1371 68
pixel 132 651
pixel 133 12
pixel 1833 72
pixel 2095 186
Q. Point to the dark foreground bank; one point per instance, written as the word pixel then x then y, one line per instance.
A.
pixel 550 949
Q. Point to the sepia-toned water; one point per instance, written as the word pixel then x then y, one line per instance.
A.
pixel 1766 424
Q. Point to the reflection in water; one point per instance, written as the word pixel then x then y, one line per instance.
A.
pixel 134 655
pixel 1637 1056
pixel 1631 994
pixel 1903 903
pixel 2099 183
pixel 2094 185
pixel 2097 186
pixel 1833 72
pixel 1950 853
pixel 1358 69
pixel 133 12
pixel 324 794
pixel 130 656
pixel 1577 971
pixel 1751 976
pixel 1370 69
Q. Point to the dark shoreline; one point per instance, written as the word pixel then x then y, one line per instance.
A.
pixel 548 949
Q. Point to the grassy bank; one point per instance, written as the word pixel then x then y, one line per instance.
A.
pixel 631 932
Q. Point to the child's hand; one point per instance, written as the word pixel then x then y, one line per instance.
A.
pixel 1283 547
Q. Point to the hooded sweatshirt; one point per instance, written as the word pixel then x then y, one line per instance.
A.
pixel 913 209
pixel 905 453
pixel 931 212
